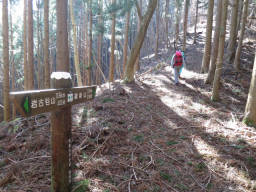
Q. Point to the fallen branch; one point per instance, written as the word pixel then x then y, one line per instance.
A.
pixel 94 153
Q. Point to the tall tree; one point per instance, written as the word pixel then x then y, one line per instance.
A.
pixel 89 67
pixel 74 34
pixel 100 37
pixel 240 11
pixel 46 45
pixel 129 72
pixel 250 109
pixel 113 41
pixel 177 16
pixel 196 18
pixel 167 4
pixel 12 63
pixel 139 7
pixel 6 59
pixel 186 4
pixel 232 33
pixel 86 53
pixel 207 47
pixel 25 44
pixel 38 45
pixel 157 29
pixel 30 46
pixel 125 48
pixel 214 54
pixel 219 64
pixel 241 37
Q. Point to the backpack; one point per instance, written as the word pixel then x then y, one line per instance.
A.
pixel 178 61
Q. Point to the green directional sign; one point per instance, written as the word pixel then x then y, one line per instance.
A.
pixel 30 103
pixel 26 104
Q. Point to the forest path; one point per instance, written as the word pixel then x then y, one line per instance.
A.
pixel 155 136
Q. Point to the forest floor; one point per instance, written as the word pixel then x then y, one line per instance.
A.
pixel 150 136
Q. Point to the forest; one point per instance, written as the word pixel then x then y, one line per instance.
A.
pixel 148 95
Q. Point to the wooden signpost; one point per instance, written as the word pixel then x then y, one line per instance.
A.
pixel 58 101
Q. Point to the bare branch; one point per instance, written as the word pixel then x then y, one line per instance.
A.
pixel 138 10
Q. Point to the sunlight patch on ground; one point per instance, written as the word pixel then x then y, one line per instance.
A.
pixel 229 172
pixel 204 149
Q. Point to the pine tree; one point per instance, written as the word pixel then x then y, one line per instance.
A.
pixel 6 86
pixel 46 45
pixel 219 64
pixel 250 109
pixel 157 29
pixel 214 54
pixel 207 47
pixel 113 41
pixel 240 42
pixel 195 33
pixel 186 4
pixel 25 58
pixel 76 54
pixel 127 22
pixel 30 46
pixel 100 37
pixel 232 34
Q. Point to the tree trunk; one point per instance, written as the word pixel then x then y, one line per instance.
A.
pixel 100 37
pixel 30 46
pixel 129 72
pixel 214 55
pixel 157 29
pixel 240 11
pixel 167 23
pixel 232 34
pixel 177 14
pixel 38 46
pixel 207 47
pixel 112 53
pixel 76 54
pixel 185 24
pixel 12 63
pixel 125 48
pixel 86 60
pixel 219 64
pixel 137 64
pixel 89 71
pixel 46 45
pixel 25 44
pixel 6 86
pixel 240 42
pixel 195 33
pixel 250 109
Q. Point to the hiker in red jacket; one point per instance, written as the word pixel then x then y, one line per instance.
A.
pixel 177 63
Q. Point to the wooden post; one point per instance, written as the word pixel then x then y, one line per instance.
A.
pixel 60 135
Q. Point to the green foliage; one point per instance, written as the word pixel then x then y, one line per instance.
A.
pixel 82 186
pixel 139 138
pixel 107 100
pixel 200 167
pixel 249 122
pixel 172 142
pixel 166 176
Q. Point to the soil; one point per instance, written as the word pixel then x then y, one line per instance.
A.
pixel 151 135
